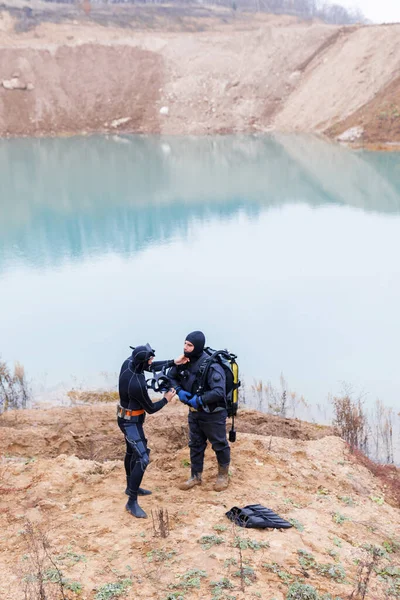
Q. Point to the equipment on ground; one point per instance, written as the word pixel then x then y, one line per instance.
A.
pixel 256 516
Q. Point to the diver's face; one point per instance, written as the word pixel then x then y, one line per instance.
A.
pixel 188 347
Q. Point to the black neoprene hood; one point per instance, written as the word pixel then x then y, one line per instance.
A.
pixel 198 339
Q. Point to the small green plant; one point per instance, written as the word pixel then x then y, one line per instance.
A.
pixel 348 500
pixel 291 502
pixel 219 589
pixel 207 541
pixel 339 519
pixel 55 576
pixel 394 588
pixel 306 560
pixel 220 527
pixel 379 501
pixel 391 546
pixel 246 543
pixel 189 580
pixel 230 562
pixel 70 557
pixel 247 574
pixel 74 586
pixel 388 571
pixel 299 526
pixel 280 571
pixel 375 550
pixel 337 541
pixel 322 491
pixel 109 591
pixel 192 578
pixel 335 572
pixel 160 555
pixel 185 462
pixel 302 591
pixel 174 596
pixel 222 584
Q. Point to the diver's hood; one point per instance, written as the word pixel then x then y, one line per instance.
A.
pixel 198 339
pixel 140 357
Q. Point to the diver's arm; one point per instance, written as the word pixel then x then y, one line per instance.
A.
pixel 216 384
pixel 157 365
pixel 173 376
pixel 138 390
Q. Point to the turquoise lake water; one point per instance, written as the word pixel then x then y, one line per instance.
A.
pixel 284 249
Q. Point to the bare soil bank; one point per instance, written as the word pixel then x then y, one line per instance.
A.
pixel 200 72
pixel 62 470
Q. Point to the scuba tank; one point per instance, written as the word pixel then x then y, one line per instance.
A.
pixel 235 397
pixel 227 360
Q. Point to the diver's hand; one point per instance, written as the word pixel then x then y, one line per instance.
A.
pixel 181 360
pixel 170 394
pixel 183 396
pixel 195 402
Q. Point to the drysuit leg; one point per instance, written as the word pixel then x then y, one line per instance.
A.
pixel 197 443
pixel 213 427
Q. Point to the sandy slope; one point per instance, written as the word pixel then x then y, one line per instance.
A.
pixel 246 75
pixel 48 479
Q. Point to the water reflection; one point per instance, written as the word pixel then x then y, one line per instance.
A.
pixel 66 199
pixel 284 249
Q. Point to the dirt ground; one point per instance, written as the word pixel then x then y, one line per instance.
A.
pixel 175 70
pixel 62 512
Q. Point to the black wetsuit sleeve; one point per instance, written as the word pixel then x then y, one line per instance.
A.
pixel 174 377
pixel 216 384
pixel 138 392
pixel 157 365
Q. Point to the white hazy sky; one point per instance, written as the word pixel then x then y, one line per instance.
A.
pixel 378 11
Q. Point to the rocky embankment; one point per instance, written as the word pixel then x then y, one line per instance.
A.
pixel 64 527
pixel 192 75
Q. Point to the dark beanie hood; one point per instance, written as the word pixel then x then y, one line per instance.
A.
pixel 141 356
pixel 198 339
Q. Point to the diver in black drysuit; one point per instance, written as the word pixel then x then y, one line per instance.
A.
pixel 135 398
pixel 207 413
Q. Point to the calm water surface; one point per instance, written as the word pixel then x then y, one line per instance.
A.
pixel 284 249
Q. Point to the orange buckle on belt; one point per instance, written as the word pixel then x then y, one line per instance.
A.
pixel 125 412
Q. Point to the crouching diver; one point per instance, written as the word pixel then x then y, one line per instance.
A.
pixel 134 403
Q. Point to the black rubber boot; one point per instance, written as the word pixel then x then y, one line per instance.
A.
pixel 140 492
pixel 134 509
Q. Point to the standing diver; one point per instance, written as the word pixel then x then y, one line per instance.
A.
pixel 207 412
pixel 134 403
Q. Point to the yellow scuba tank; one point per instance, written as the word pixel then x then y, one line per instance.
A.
pixel 235 392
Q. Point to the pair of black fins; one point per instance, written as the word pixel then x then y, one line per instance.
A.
pixel 257 516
